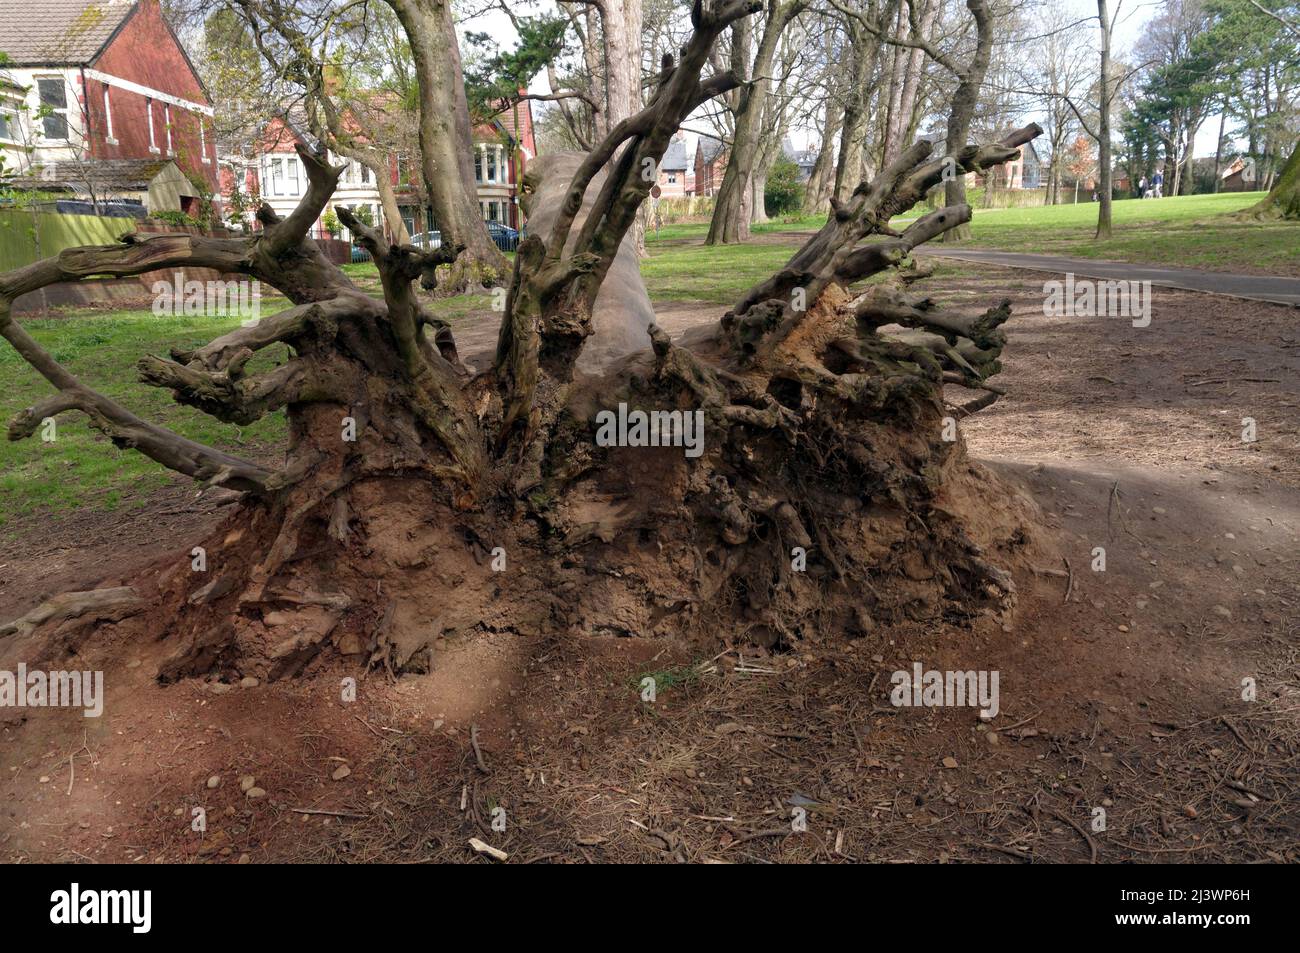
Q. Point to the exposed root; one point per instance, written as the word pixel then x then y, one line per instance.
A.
pixel 74 605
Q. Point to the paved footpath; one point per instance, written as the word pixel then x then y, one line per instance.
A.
pixel 1269 288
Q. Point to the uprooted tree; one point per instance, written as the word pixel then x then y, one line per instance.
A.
pixel 410 478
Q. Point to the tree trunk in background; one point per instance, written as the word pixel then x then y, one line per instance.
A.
pixel 817 192
pixel 621 25
pixel 1218 148
pixel 866 57
pixel 1284 198
pixel 446 143
pixel 911 85
pixel 821 182
pixel 894 104
pixel 1103 127
pixel 964 101
pixel 758 189
pixel 734 205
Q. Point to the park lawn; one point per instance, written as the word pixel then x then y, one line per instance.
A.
pixel 81 467
pixel 699 229
pixel 718 274
pixel 1191 231
pixel 684 269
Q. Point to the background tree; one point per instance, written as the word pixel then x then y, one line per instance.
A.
pixel 968 66
pixel 733 206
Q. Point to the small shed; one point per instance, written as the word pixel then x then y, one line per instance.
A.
pixel 157 184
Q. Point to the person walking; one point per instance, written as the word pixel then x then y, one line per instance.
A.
pixel 1142 187
pixel 1158 184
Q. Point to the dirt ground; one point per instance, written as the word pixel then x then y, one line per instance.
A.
pixel 1121 691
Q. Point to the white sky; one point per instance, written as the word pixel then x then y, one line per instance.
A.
pixel 1132 15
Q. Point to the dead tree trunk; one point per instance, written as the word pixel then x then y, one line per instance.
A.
pixel 796 473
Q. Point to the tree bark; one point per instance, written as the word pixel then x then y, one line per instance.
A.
pixel 1283 200
pixel 734 206
pixel 1103 127
pixel 446 141
pixel 964 101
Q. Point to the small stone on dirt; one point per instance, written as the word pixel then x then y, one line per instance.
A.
pixel 246 782
pixel 341 772
pixel 255 793
pixel 214 781
pixel 950 762
pixel 248 681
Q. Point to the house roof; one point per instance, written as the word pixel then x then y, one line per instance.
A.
pixel 103 175
pixel 675 158
pixel 710 147
pixel 59 32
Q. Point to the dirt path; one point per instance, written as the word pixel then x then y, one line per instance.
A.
pixel 1270 288
pixel 1125 699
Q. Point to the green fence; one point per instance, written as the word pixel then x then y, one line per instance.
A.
pixel 19 230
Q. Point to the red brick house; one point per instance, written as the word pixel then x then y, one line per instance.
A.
pixel 272 171
pixel 116 84
pixel 710 164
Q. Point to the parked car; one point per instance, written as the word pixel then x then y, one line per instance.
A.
pixel 506 238
pixel 427 240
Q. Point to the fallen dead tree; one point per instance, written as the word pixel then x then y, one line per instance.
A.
pixel 419 496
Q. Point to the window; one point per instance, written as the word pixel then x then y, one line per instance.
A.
pixel 167 121
pixel 148 111
pixel 9 128
pixel 54 103
pixel 203 142
pixel 108 119
pixel 478 165
pixel 291 167
pixel 277 177
pixel 365 175
pixel 492 165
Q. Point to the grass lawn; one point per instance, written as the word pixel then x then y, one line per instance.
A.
pixel 81 466
pixel 1191 231
pixel 719 274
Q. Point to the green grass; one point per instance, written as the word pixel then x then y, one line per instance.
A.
pixel 680 230
pixel 718 273
pixel 1193 231
pixel 81 466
